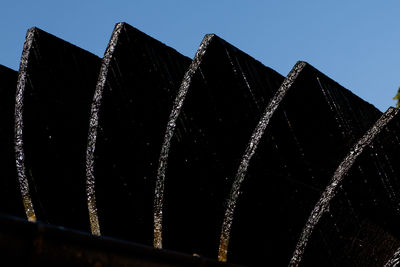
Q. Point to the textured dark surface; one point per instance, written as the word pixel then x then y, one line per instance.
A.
pixel 167 137
pixel 225 98
pixel 27 244
pixel 141 82
pixel 58 89
pixel 10 197
pixel 369 192
pixel 308 136
pixel 345 237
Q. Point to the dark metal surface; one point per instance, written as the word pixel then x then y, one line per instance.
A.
pixel 55 89
pixel 362 224
pixel 310 133
pixel 226 92
pixel 10 196
pixel 138 87
pixel 36 244
pixel 158 148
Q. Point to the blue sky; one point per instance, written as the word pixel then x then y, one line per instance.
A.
pixel 356 43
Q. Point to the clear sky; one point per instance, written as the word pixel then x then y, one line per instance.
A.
pixel 354 42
